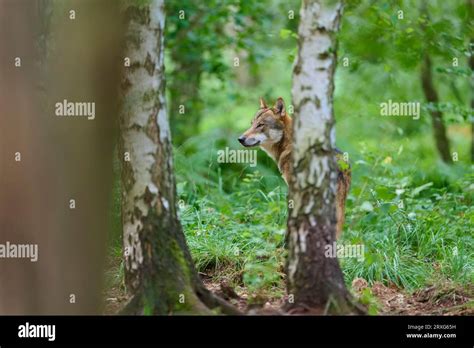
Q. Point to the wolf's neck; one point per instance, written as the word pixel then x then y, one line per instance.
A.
pixel 276 150
pixel 281 150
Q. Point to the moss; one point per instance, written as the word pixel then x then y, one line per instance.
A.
pixel 136 3
pixel 181 258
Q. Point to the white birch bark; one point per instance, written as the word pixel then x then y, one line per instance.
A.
pixel 313 278
pixel 144 126
pixel 159 271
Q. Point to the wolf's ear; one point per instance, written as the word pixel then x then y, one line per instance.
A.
pixel 280 107
pixel 263 105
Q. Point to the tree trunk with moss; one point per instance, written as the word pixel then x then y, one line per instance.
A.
pixel 315 282
pixel 159 271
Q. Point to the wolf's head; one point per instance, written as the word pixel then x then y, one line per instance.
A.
pixel 267 126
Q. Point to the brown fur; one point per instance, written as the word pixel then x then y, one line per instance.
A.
pixel 272 130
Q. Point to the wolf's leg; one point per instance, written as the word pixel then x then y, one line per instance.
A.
pixel 343 184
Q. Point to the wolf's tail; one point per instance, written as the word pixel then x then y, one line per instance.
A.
pixel 343 184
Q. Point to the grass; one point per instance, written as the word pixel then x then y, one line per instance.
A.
pixel 238 235
pixel 236 229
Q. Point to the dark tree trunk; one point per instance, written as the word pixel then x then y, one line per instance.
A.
pixel 315 281
pixel 431 95
pixel 159 271
pixel 470 6
pixel 471 65
pixel 184 92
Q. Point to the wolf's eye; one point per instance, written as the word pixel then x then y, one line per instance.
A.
pixel 260 125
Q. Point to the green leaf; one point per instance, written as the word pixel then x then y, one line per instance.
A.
pixel 285 33
pixel 366 206
pixel 417 190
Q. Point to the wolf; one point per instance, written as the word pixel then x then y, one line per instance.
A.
pixel 272 130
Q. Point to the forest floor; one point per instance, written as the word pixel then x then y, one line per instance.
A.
pixel 442 299
pixel 439 299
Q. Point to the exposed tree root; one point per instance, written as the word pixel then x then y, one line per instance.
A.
pixel 345 306
pixel 205 303
pixel 213 301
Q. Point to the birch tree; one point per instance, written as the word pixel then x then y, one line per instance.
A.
pixel 315 282
pixel 159 271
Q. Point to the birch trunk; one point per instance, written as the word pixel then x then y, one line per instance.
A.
pixel 315 282
pixel 159 271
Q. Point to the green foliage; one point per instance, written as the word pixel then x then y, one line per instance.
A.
pixel 419 224
pixel 234 226
pixel 413 214
pixel 202 41
pixel 414 220
pixel 370 301
pixel 376 33
pixel 403 245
